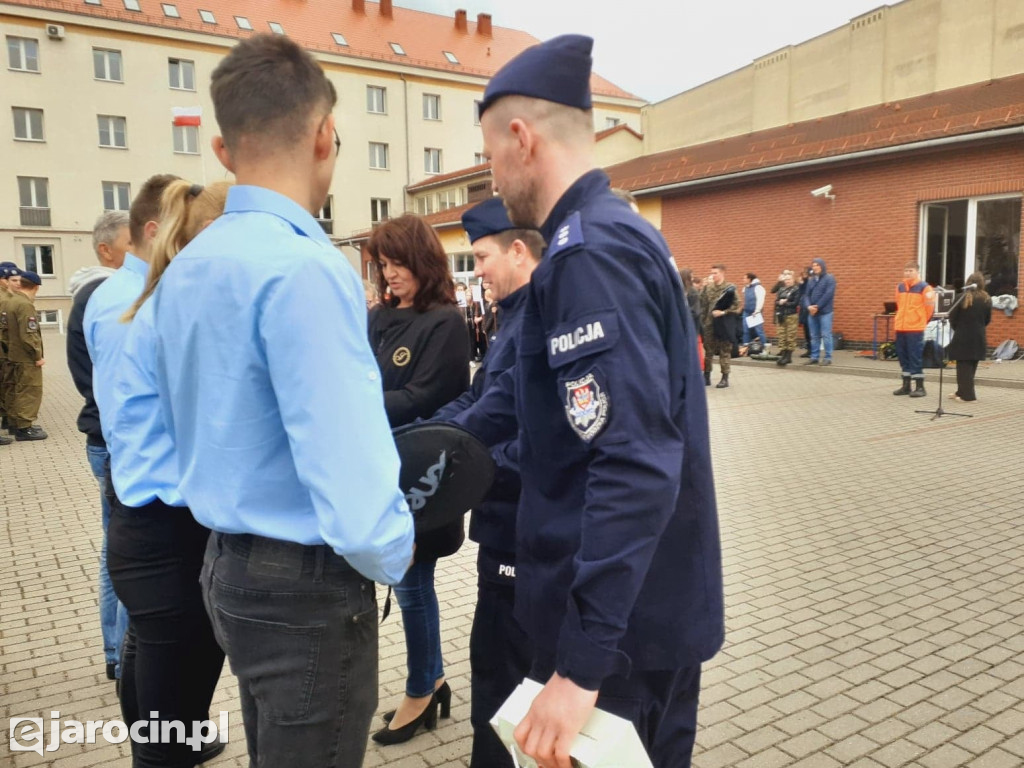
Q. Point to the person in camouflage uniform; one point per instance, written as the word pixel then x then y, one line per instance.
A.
pixel 25 359
pixel 7 271
pixel 719 318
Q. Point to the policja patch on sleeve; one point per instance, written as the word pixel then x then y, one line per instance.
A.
pixel 586 407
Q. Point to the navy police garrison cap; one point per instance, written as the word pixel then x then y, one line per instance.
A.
pixel 557 70
pixel 488 218
pixel 8 269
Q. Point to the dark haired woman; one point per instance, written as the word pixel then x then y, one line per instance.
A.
pixel 969 319
pixel 421 343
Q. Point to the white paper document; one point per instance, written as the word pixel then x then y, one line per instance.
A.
pixel 606 741
pixel 755 319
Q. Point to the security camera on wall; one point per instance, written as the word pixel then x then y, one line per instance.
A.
pixel 825 191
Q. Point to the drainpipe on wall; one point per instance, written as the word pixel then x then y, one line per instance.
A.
pixel 408 159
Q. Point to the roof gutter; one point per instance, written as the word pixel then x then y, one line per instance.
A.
pixel 820 161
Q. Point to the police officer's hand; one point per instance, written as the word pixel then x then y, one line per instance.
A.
pixel 40 363
pixel 555 718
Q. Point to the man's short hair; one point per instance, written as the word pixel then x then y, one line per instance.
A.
pixel 719 267
pixel 531 238
pixel 751 276
pixel 146 206
pixel 107 227
pixel 268 87
pixel 912 265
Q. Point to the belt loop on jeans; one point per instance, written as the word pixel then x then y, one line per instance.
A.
pixel 318 563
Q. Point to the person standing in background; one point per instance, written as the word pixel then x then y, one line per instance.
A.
pixel 969 320
pixel 25 358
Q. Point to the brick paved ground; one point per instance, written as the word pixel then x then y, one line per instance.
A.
pixel 874 580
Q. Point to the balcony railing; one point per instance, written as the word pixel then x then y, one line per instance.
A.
pixel 35 217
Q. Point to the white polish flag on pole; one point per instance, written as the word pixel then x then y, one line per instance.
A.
pixel 186 115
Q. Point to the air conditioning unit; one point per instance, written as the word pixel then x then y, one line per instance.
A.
pixel 55 31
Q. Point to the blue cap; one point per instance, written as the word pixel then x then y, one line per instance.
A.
pixel 8 269
pixel 32 277
pixel 488 218
pixel 557 70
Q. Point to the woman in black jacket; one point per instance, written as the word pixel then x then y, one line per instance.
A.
pixel 420 340
pixel 969 319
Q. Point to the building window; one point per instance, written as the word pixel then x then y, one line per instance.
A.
pixel 113 131
pixel 376 99
pixel 611 122
pixel 182 74
pixel 326 215
pixel 34 199
pixel 479 158
pixel 398 49
pixel 132 5
pixel 171 11
pixel 476 112
pixel 339 38
pixel 117 196
pixel 378 155
pixel 431 106
pixel 242 22
pixel 93 2
pixel 48 316
pixel 450 198
pixel 432 160
pixel 276 28
pixel 452 58
pixel 186 139
pixel 380 209
pixel 462 263
pixel 208 17
pixel 39 259
pixel 959 237
pixel 106 65
pixel 28 124
pixel 425 205
pixel 23 54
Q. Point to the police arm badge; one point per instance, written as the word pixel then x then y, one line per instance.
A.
pixel 32 325
pixel 586 407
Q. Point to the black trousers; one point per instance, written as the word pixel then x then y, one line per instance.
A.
pixel 965 372
pixel 171 661
pixel 499 654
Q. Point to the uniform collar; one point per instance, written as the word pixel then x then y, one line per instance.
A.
pixel 247 198
pixel 514 299
pixel 134 264
pixel 572 199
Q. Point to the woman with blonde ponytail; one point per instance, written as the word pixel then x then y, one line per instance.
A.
pixel 171 661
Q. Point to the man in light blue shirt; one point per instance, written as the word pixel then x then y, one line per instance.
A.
pixel 274 404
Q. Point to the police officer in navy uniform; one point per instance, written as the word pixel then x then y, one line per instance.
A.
pixel 499 650
pixel 618 571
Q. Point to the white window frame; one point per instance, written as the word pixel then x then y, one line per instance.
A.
pixel 243 23
pixel 120 192
pixel 132 5
pixel 379 151
pixel 452 58
pixel 207 17
pixel 170 10
pixel 108 55
pixel 339 39
pixel 479 158
pixel 25 123
pixel 109 123
pixel 22 44
pixel 179 67
pixel 372 94
pixel 380 209
pixel 429 167
pixel 34 195
pixel 612 122
pixel 275 27
pixel 397 49
pixel 189 139
pixel 425 205
pixel 326 212
pixel 431 106
pixel 38 257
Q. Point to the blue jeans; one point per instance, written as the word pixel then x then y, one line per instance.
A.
pixel 113 616
pixel 909 351
pixel 299 626
pixel 821 331
pixel 421 618
pixel 749 332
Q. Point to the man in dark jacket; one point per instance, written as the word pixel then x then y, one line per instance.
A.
pixel 499 650
pixel 110 242
pixel 819 294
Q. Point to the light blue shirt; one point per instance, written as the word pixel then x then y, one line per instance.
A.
pixel 272 395
pixel 104 332
pixel 143 462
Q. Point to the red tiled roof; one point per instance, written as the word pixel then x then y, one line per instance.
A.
pixel 958 111
pixel 440 219
pixel 444 178
pixel 615 129
pixel 424 36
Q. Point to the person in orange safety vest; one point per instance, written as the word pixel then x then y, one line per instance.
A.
pixel 915 304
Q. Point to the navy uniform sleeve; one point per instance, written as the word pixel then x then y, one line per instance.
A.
pixel 605 344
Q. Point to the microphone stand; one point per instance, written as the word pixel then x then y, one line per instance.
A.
pixel 943 325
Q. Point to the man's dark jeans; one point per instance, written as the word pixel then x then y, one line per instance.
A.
pixel 299 626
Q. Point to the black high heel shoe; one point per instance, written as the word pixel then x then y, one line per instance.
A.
pixel 444 698
pixel 427 718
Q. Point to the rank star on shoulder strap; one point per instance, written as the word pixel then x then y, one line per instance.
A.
pixel 568 236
